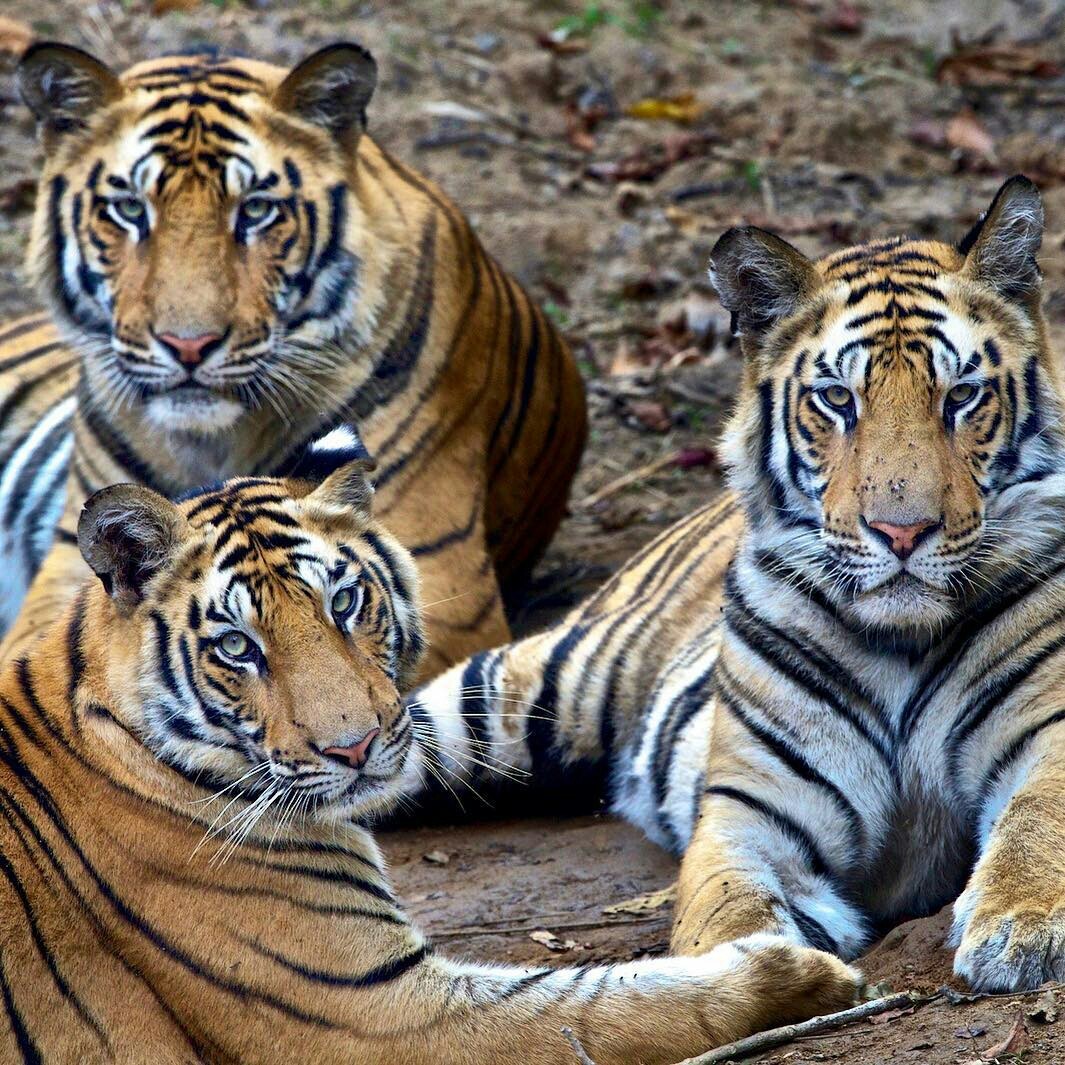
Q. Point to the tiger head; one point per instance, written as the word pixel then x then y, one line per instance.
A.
pixel 898 439
pixel 259 635
pixel 197 227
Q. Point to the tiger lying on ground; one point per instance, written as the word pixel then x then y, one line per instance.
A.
pixel 838 693
pixel 235 673
pixel 238 268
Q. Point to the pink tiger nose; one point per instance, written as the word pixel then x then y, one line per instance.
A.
pixel 903 538
pixel 355 755
pixel 190 350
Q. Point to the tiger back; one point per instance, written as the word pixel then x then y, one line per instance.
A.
pixel 190 756
pixel 234 268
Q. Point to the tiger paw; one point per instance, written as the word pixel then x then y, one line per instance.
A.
pixel 804 982
pixel 1013 947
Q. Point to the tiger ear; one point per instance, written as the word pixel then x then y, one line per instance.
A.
pixel 346 494
pixel 1000 249
pixel 127 534
pixel 331 89
pixel 759 277
pixel 63 86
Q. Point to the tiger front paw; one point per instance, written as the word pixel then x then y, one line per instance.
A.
pixel 1008 947
pixel 800 982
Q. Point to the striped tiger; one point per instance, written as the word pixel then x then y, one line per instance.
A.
pixel 837 692
pixel 189 757
pixel 236 268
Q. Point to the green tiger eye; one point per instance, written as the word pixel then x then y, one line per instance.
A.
pixel 130 208
pixel 837 395
pixel 962 393
pixel 235 644
pixel 342 601
pixel 256 208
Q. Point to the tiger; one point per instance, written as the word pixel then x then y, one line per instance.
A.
pixel 835 692
pixel 233 268
pixel 191 758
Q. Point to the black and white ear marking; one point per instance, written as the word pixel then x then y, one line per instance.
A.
pixel 127 533
pixel 63 86
pixel 1001 248
pixel 759 277
pixel 328 453
pixel 331 89
pixel 346 494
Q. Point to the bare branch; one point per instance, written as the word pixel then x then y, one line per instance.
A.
pixel 776 1037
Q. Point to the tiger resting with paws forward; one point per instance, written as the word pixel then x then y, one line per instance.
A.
pixel 838 692
pixel 234 268
pixel 187 759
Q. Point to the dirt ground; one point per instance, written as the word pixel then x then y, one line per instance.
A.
pixel 829 121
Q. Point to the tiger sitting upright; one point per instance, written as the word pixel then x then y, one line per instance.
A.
pixel 838 693
pixel 235 673
pixel 235 268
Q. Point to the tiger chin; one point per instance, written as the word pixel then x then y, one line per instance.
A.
pixel 836 692
pixel 189 758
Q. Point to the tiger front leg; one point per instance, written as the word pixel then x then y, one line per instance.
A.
pixel 1009 923
pixel 655 1012
pixel 752 869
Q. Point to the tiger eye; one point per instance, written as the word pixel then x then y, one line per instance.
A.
pixel 343 601
pixel 256 208
pixel 235 644
pixel 961 393
pixel 130 208
pixel 837 396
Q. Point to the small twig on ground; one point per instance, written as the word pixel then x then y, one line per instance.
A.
pixel 559 926
pixel 626 479
pixel 582 1054
pixel 776 1037
pixel 959 998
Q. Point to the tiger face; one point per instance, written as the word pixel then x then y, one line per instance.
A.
pixel 898 441
pixel 263 633
pixel 196 229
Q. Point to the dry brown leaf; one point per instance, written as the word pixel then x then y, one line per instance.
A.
pixel 653 160
pixel 15 36
pixel 655 900
pixel 682 108
pixel 845 17
pixel 891 1015
pixel 928 133
pixel 995 65
pixel 651 415
pixel 1017 1042
pixel 626 359
pixel 967 133
pixel 551 941
pixel 164 7
pixel 1045 1008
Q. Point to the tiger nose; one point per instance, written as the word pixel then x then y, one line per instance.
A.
pixel 355 755
pixel 903 539
pixel 191 351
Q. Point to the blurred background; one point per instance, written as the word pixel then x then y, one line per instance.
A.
pixel 600 149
